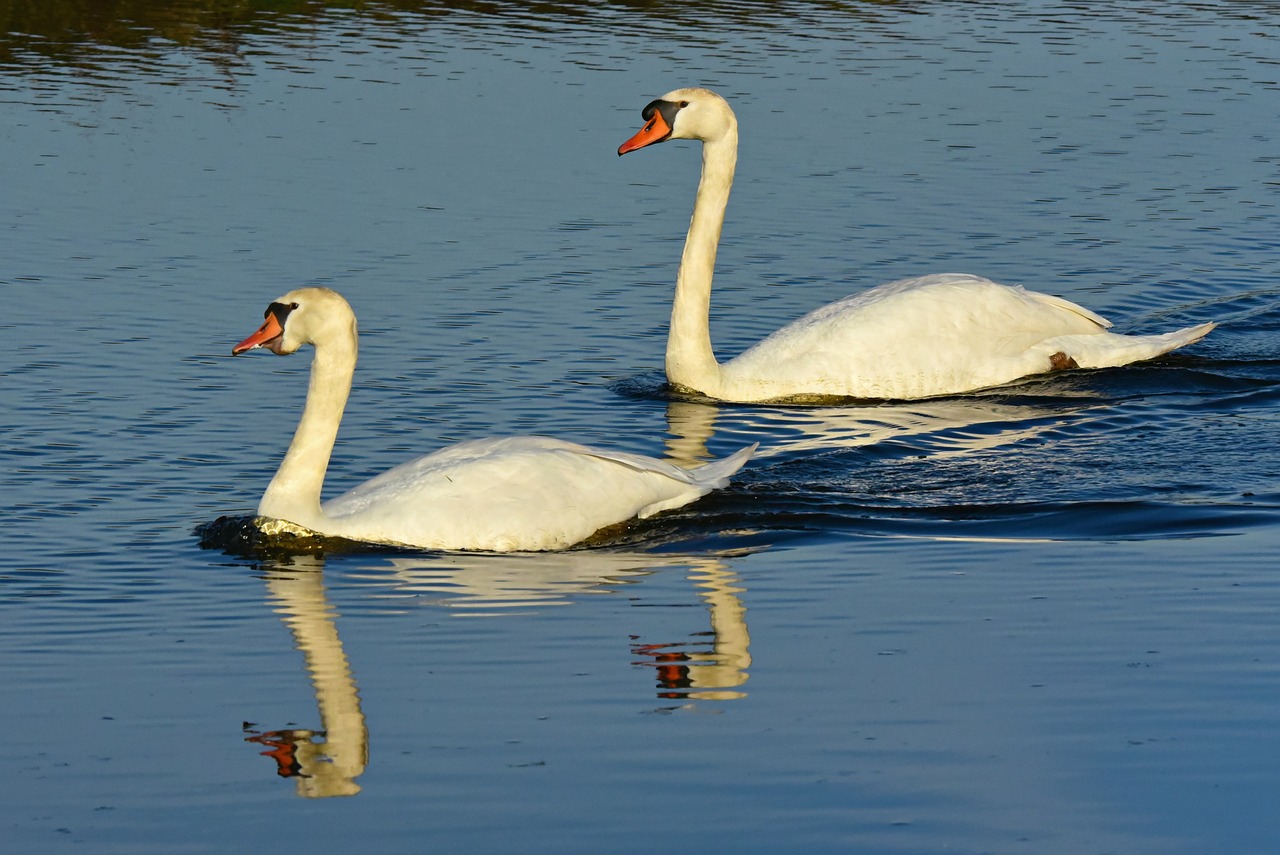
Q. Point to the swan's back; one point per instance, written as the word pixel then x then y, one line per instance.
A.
pixel 914 338
pixel 517 493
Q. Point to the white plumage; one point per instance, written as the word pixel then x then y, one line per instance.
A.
pixel 915 338
pixel 501 495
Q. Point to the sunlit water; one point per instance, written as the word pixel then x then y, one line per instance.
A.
pixel 1037 619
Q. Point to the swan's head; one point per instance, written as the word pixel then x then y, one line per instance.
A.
pixel 305 316
pixel 683 114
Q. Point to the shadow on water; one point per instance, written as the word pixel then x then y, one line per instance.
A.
pixel 252 536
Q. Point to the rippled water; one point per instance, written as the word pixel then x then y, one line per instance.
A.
pixel 1037 619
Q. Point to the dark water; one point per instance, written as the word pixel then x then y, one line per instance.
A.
pixel 1036 619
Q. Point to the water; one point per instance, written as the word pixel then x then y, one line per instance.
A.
pixel 1038 619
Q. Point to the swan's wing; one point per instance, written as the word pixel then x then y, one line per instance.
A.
pixel 711 475
pixel 525 493
pixel 478 453
pixel 1065 306
pixel 914 338
pixel 960 302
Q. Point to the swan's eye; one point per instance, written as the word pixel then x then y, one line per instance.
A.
pixel 684 103
pixel 280 310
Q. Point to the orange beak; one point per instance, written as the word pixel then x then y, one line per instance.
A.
pixel 268 332
pixel 655 130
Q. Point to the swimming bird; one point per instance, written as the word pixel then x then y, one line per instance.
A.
pixel 939 334
pixel 520 493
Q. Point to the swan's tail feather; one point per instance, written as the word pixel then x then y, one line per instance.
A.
pixel 1108 350
pixel 716 474
pixel 702 480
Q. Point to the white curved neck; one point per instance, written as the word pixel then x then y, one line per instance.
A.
pixel 294 492
pixel 691 363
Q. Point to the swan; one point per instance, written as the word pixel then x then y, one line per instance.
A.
pixel 932 335
pixel 522 493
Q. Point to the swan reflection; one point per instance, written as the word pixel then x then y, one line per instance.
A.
pixel 501 583
pixel 936 428
pixel 703 670
pixel 712 668
pixel 328 761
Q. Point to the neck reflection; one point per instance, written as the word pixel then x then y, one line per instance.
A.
pixel 713 665
pixel 324 762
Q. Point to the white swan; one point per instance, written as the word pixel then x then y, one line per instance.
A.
pixel 914 338
pixel 500 495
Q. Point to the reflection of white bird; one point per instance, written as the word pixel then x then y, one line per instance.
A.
pixel 513 493
pixel 709 674
pixel 914 338
pixel 331 767
pixel 497 584
pixel 939 427
pixel 710 667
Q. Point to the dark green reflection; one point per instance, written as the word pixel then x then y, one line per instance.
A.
pixel 76 31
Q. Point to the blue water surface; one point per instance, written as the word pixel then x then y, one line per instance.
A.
pixel 1039 619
